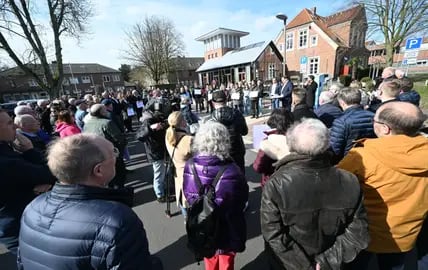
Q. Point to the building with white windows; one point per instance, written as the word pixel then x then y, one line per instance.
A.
pixel 79 79
pixel 227 61
pixel 317 44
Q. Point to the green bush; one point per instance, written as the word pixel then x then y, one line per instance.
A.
pixel 345 80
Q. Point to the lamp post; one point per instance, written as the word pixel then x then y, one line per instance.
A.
pixel 283 18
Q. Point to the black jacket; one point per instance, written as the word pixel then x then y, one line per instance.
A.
pixel 312 213
pixel 311 89
pixel 237 127
pixel 82 227
pixel 20 174
pixel 302 111
pixel 154 140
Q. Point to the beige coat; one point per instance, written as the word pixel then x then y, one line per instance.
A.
pixel 181 155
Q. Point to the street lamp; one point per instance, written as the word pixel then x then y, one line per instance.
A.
pixel 283 18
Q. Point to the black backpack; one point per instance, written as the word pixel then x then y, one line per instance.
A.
pixel 203 222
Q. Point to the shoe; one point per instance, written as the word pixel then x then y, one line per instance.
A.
pixel 161 199
pixel 252 117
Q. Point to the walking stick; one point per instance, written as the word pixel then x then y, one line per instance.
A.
pixel 167 178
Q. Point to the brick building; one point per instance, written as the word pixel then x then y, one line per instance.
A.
pixel 79 79
pixel 377 58
pixel 260 60
pixel 315 44
pixel 184 70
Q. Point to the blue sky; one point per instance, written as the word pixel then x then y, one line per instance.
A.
pixel 106 43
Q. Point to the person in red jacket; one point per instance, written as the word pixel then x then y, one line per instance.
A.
pixel 65 125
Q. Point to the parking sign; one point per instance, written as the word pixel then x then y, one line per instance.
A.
pixel 413 43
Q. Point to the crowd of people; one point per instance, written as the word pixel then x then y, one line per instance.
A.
pixel 343 180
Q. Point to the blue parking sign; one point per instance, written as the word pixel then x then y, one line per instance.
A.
pixel 413 43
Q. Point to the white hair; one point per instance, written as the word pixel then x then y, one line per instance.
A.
pixel 335 87
pixel 23 109
pixel 309 137
pixel 71 159
pixel 23 119
pixel 326 97
pixel 212 139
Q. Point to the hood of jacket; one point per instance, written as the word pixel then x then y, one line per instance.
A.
pixel 275 146
pixel 224 115
pixel 400 153
pixel 61 126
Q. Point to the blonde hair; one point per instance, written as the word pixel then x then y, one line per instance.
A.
pixel 174 121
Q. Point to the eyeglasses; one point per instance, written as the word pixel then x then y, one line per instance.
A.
pixel 115 152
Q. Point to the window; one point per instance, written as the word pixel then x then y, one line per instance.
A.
pixel 209 56
pixel 215 54
pixel 314 40
pixel 74 80
pixel 86 79
pixel 314 65
pixel 303 38
pixel 271 71
pixel 116 78
pixel 32 83
pixel 290 41
pixel 106 78
pixel 281 47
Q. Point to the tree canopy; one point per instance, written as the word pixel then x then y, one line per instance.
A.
pixel 153 44
pixel 396 20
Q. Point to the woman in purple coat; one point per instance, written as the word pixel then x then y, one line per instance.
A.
pixel 210 149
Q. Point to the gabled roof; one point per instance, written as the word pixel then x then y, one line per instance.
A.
pixel 343 16
pixel 84 68
pixel 243 55
pixel 304 17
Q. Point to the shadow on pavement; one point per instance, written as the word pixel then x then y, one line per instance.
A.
pixel 260 262
pixel 176 255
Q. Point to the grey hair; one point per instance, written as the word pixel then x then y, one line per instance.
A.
pixel 72 159
pixel 335 87
pixel 309 137
pixel 212 139
pixel 23 119
pixel 350 96
pixel 97 110
pixel 23 109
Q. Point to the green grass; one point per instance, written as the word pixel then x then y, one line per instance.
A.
pixel 419 85
pixel 423 91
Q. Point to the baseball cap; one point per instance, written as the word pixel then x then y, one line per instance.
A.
pixel 106 101
pixel 219 96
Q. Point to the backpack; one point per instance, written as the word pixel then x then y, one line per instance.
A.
pixel 203 222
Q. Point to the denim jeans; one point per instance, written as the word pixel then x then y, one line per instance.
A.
pixel 159 178
pixel 275 103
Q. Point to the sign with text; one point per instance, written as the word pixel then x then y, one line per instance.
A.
pixel 303 64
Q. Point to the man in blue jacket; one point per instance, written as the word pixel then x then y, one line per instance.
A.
pixel 24 173
pixel 355 123
pixel 81 223
pixel 286 89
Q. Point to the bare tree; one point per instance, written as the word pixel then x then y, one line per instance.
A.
pixel 153 44
pixel 396 20
pixel 19 20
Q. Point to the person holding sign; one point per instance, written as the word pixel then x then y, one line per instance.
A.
pixel 255 94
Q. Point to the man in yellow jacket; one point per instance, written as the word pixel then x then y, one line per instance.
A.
pixel 393 172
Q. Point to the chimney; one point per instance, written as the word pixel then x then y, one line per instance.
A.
pixel 314 10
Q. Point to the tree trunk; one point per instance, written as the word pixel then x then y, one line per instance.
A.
pixel 389 57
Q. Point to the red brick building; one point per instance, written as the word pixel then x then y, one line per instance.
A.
pixel 79 79
pixel 326 44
